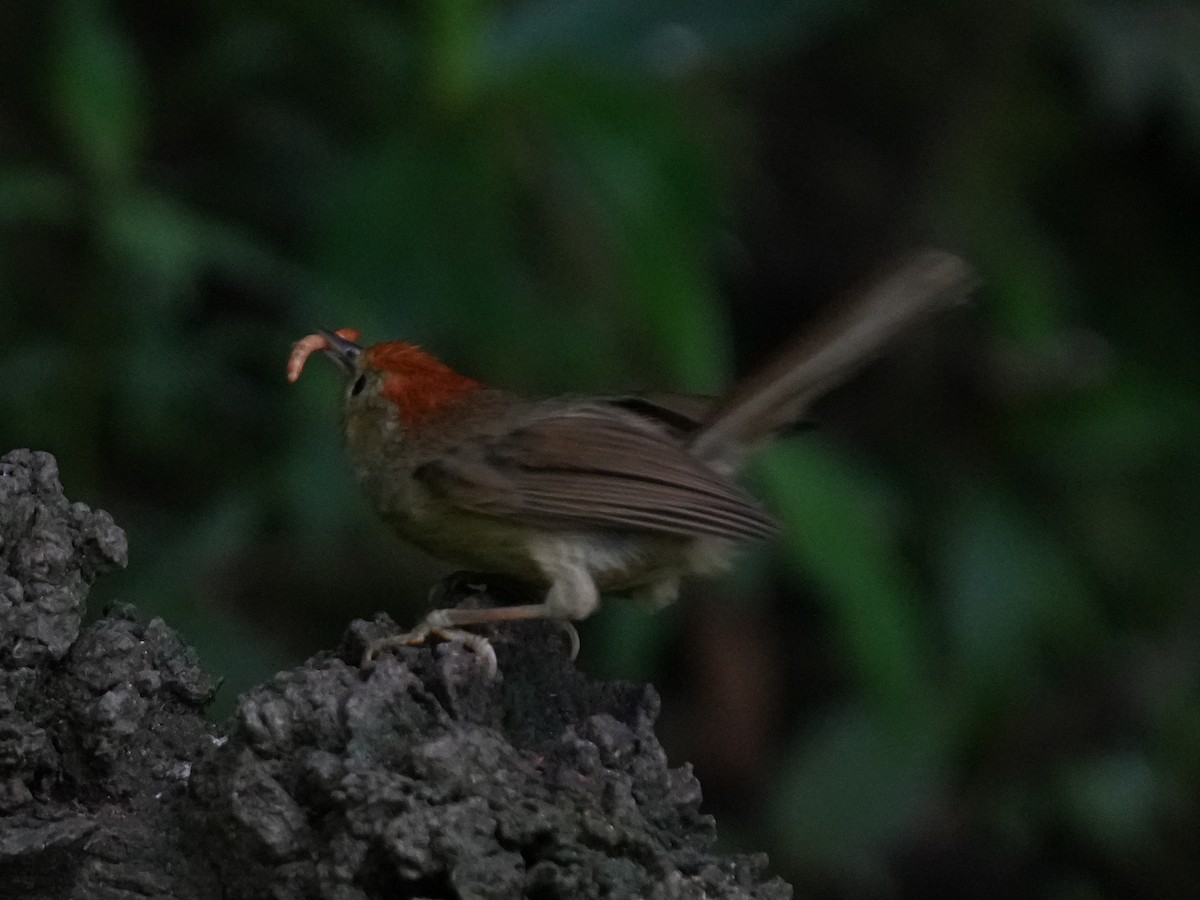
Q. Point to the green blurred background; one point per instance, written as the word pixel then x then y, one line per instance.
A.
pixel 971 666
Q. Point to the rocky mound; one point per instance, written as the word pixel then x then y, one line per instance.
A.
pixel 419 777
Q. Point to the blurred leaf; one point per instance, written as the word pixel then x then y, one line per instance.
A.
pixel 27 419
pixel 1116 800
pixel 667 37
pixel 155 237
pixel 1011 593
pixel 455 29
pixel 98 90
pixel 314 481
pixel 33 196
pixel 423 222
pixel 1139 58
pixel 838 535
pixel 626 639
pixel 851 789
pixel 1136 422
pixel 1124 459
pixel 1027 283
pixel 644 170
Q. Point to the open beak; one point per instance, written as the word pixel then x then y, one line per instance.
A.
pixel 344 353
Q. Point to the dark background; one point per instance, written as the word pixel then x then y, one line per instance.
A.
pixel 972 662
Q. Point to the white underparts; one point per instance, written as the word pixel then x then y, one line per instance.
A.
pixel 663 592
pixel 575 564
pixel 568 566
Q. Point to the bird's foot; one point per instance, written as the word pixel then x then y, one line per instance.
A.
pixel 477 643
pixel 572 636
pixel 448 623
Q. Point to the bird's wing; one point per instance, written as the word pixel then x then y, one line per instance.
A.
pixel 592 467
pixel 685 414
pixel 681 414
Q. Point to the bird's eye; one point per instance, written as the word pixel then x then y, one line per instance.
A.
pixel 358 386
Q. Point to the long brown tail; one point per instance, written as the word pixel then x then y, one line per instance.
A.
pixel 817 361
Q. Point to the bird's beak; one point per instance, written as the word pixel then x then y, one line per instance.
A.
pixel 344 353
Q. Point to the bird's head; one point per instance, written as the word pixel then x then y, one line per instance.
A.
pixel 391 378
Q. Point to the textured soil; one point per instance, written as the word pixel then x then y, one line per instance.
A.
pixel 419 777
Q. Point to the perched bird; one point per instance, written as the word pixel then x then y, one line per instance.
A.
pixel 579 496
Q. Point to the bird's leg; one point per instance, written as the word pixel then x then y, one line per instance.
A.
pixel 572 595
pixel 447 624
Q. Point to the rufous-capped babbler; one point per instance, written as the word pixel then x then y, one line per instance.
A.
pixel 578 496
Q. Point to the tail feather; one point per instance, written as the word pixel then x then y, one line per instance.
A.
pixel 818 361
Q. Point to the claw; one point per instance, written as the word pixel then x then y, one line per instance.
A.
pixel 477 643
pixel 572 636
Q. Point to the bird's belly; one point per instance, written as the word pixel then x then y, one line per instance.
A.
pixel 616 560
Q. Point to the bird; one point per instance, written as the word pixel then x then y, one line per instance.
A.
pixel 578 497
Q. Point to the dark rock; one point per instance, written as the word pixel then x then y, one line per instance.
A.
pixel 50 551
pixel 99 726
pixel 420 776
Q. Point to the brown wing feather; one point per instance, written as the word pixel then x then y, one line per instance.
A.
pixel 593 468
pixel 681 414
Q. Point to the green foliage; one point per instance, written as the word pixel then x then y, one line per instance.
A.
pixel 851 790
pixel 97 93
pixel 984 648
pixel 841 537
